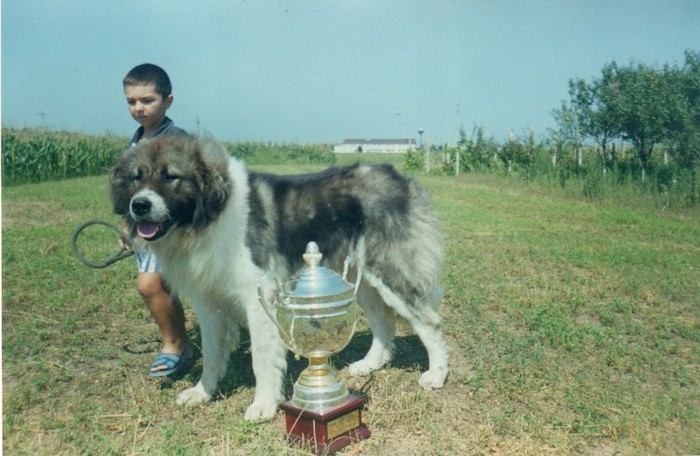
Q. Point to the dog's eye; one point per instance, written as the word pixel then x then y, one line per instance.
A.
pixel 137 175
pixel 171 178
pixel 170 175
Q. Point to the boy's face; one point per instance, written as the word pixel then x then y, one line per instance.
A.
pixel 147 106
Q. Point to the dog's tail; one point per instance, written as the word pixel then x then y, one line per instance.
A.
pixel 408 251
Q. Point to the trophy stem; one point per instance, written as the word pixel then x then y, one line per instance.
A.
pixel 319 387
pixel 322 361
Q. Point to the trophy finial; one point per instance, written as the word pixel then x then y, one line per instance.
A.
pixel 312 256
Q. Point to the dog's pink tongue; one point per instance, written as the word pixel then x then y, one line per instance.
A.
pixel 147 230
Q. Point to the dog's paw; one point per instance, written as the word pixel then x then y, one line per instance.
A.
pixel 361 368
pixel 433 379
pixel 193 396
pixel 259 410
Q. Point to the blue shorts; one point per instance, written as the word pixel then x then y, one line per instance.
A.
pixel 146 260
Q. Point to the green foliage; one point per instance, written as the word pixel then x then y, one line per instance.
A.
pixel 477 151
pixel 639 104
pixel 272 153
pixel 415 160
pixel 586 172
pixel 41 155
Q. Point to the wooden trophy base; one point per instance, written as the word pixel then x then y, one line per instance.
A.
pixel 329 431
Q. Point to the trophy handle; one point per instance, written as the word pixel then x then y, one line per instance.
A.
pixel 271 307
pixel 350 259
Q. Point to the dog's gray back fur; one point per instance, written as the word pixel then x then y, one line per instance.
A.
pixel 338 209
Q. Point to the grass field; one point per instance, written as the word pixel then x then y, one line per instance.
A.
pixel 574 329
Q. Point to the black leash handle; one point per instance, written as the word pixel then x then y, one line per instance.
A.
pixel 119 255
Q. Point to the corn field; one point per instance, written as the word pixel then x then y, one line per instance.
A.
pixel 30 156
pixel 42 155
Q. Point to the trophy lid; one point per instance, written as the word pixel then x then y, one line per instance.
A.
pixel 315 281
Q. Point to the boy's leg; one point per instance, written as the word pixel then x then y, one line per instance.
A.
pixel 167 311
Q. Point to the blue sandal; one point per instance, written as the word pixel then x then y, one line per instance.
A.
pixel 172 361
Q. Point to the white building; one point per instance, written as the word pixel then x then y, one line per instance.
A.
pixel 375 146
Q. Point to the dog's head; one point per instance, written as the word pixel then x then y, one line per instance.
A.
pixel 170 182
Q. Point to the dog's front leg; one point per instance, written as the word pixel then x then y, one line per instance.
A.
pixel 269 362
pixel 216 350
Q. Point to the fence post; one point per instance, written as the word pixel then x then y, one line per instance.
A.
pixel 426 149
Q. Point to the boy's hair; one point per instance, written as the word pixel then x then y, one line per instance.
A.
pixel 148 73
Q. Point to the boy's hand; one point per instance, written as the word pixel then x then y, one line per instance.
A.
pixel 124 242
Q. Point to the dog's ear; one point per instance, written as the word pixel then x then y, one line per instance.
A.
pixel 215 184
pixel 119 178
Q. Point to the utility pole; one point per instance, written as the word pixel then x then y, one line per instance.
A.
pixel 457 154
pixel 424 150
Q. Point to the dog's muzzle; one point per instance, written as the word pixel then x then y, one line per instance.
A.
pixel 150 216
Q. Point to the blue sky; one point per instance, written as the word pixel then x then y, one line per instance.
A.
pixel 319 71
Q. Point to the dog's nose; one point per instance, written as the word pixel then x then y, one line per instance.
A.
pixel 140 206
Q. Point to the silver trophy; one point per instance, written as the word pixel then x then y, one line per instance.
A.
pixel 315 313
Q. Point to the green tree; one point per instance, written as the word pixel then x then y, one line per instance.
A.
pixel 685 135
pixel 640 104
pixel 569 134
pixel 643 106
pixel 595 105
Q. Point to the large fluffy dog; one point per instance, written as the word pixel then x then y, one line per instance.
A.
pixel 217 228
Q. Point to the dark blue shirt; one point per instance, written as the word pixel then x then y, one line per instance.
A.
pixel 166 128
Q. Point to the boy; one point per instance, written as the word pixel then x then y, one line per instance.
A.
pixel 149 95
